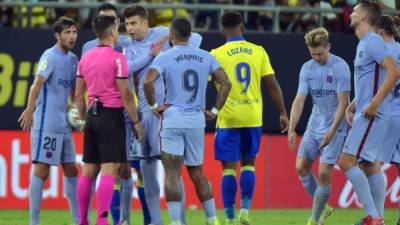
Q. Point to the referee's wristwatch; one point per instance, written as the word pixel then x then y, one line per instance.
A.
pixel 154 106
pixel 214 111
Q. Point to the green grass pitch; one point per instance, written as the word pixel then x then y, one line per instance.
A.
pixel 196 217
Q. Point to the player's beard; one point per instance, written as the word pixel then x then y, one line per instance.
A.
pixel 353 25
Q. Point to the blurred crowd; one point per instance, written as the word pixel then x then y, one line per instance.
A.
pixel 41 17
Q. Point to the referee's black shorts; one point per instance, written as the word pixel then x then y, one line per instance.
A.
pixel 104 137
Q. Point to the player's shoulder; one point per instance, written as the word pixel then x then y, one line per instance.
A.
pixel 93 42
pixel 160 30
pixel 72 55
pixel 373 39
pixel 308 64
pixel 338 61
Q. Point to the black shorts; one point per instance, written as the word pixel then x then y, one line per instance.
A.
pixel 104 136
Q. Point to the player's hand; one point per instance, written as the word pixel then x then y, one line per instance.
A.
pixel 26 119
pixel 157 47
pixel 326 140
pixel 292 140
pixel 159 110
pixel 370 111
pixel 349 116
pixel 209 115
pixel 138 131
pixel 284 123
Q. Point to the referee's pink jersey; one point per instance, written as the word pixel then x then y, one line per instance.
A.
pixel 100 68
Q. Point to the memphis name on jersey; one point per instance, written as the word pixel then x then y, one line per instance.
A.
pixel 188 57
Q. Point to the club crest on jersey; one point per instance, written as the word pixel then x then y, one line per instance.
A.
pixel 49 154
pixel 329 79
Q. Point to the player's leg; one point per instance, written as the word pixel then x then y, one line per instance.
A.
pixel 126 191
pixel 204 192
pixel 227 144
pixel 70 180
pixel 329 155
pixel 373 170
pixel 249 147
pixel 306 155
pixel 111 143
pixel 172 148
pixel 105 191
pixel 115 206
pixel 322 193
pixel 193 158
pixel 377 184
pixel 149 166
pixel 70 183
pixel 46 148
pixel 85 189
pixel 37 180
pixel 140 189
pixel 363 141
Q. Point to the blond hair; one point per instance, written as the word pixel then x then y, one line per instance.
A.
pixel 317 37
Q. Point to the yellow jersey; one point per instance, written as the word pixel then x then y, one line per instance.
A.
pixel 245 64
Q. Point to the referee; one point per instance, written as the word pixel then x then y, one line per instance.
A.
pixel 103 72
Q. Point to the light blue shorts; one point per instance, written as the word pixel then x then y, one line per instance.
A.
pixel 150 145
pixel 366 137
pixel 188 143
pixel 390 151
pixel 329 154
pixel 52 148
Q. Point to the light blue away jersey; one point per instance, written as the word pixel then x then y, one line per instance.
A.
pixel 184 70
pixel 394 50
pixel 368 74
pixel 137 53
pixel 323 83
pixel 59 70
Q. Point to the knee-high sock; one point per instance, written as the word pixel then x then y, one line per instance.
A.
pixel 35 199
pixel 152 189
pixel 126 198
pixel 320 198
pixel 209 209
pixel 142 198
pixel 378 190
pixel 229 189
pixel 310 183
pixel 85 186
pixel 183 200
pixel 174 209
pixel 362 189
pixel 115 206
pixel 247 184
pixel 70 190
pixel 103 197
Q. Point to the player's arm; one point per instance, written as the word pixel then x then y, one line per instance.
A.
pixel 80 90
pixel 148 86
pixel 350 112
pixel 221 78
pixel 26 118
pixel 139 63
pixel 295 114
pixel 343 102
pixel 392 75
pixel 275 91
